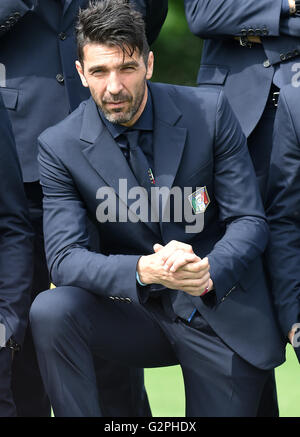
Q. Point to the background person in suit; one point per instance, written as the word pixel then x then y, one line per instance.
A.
pixel 15 260
pixel 120 302
pixel 283 210
pixel 40 87
pixel 251 49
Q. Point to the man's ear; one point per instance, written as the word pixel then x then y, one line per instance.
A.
pixel 79 69
pixel 150 65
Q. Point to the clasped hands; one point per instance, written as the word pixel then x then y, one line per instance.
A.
pixel 177 267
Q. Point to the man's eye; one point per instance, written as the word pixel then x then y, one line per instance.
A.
pixel 128 68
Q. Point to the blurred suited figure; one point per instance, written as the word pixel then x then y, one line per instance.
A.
pixel 283 210
pixel 15 261
pixel 40 87
pixel 251 49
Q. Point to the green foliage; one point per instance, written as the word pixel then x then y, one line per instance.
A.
pixel 177 51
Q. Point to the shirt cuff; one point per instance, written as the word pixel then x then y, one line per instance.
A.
pixel 285 8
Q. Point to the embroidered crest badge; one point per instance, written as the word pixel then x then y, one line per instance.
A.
pixel 199 200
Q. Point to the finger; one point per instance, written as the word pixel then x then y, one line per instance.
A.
pixel 191 282
pixel 157 247
pixel 198 291
pixel 172 247
pixel 182 262
pixel 197 266
pixel 179 255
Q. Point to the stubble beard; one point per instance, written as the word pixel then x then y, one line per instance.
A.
pixel 117 116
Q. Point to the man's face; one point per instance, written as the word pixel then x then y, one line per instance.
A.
pixel 117 82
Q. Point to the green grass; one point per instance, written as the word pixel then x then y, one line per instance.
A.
pixel 166 390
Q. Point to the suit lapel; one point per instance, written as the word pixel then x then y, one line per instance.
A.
pixel 107 159
pixel 169 140
pixel 105 156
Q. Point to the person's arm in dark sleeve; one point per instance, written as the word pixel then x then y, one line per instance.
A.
pixel 240 205
pixel 154 13
pixel 71 260
pixel 16 250
pixel 283 212
pixel 12 11
pixel 219 18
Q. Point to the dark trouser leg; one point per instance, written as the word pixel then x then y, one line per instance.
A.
pixel 218 383
pixel 27 386
pixel 123 388
pixel 260 147
pixel 7 406
pixel 70 325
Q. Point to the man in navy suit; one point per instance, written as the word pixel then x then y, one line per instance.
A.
pixel 164 173
pixel 40 87
pixel 283 210
pixel 251 49
pixel 15 261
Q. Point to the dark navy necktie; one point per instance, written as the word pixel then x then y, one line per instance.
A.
pixel 137 159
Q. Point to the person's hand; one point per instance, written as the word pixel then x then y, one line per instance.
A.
pixel 292 332
pixel 177 267
pixel 176 260
pixel 292 6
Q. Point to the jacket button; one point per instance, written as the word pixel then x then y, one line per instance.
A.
pixel 267 63
pixel 62 36
pixel 17 15
pixel 244 32
pixel 282 57
pixel 12 20
pixel 128 299
pixel 251 32
pixel 257 32
pixel 265 31
pixel 60 78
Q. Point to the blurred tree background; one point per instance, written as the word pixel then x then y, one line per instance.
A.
pixel 177 51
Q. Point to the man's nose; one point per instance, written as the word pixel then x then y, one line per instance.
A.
pixel 114 84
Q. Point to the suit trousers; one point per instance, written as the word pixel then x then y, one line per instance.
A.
pixel 7 406
pixel 71 325
pixel 122 388
pixel 28 389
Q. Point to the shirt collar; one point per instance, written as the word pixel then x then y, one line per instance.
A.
pixel 145 122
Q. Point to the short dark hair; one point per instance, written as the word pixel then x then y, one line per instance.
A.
pixel 114 23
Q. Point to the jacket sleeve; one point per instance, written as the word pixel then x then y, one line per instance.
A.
pixel 219 18
pixel 154 13
pixel 71 260
pixel 11 11
pixel 283 212
pixel 15 238
pixel 240 205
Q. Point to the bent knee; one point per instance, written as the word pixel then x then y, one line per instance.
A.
pixel 50 309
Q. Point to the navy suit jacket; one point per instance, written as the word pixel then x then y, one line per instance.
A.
pixel 15 238
pixel 40 85
pixel 197 142
pixel 246 74
pixel 283 209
